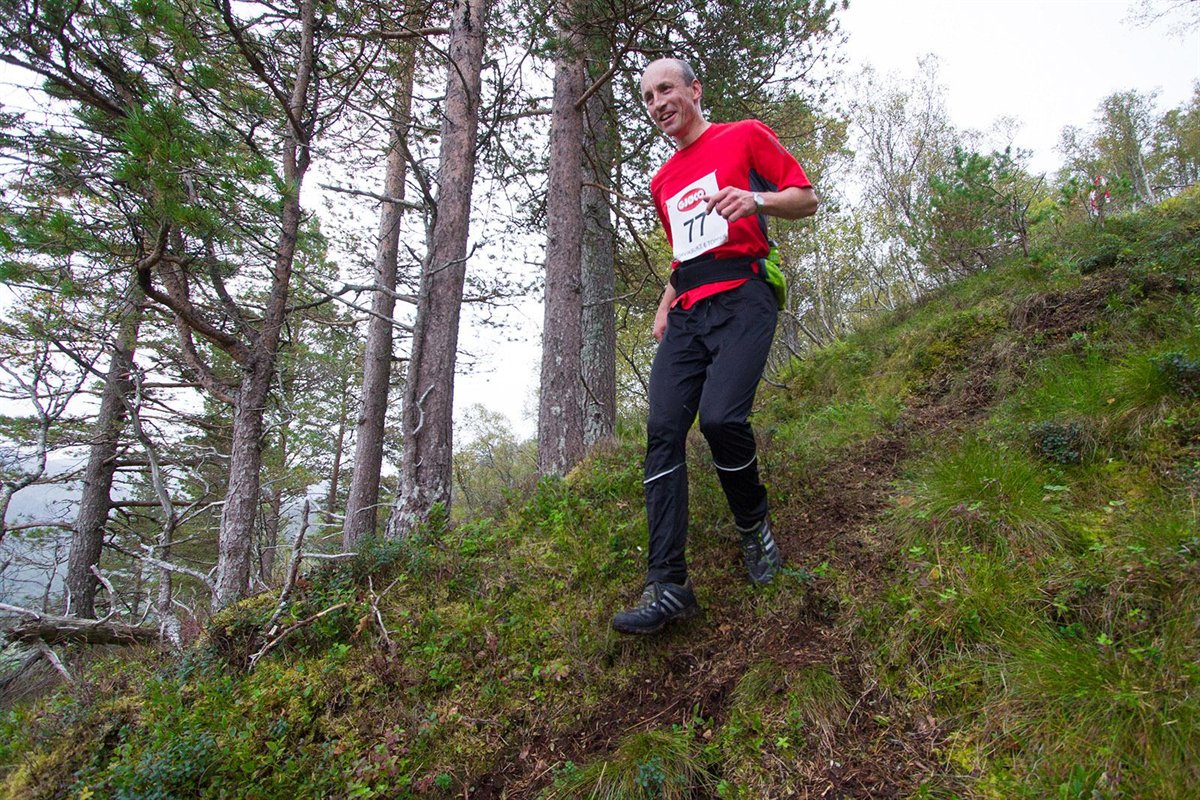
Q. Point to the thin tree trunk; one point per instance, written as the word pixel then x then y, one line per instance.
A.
pixel 426 467
pixel 168 622
pixel 87 535
pixel 272 522
pixel 236 538
pixel 363 497
pixel 560 411
pixel 168 625
pixel 598 272
pixel 139 581
pixel 339 446
pixel 273 519
pixel 245 458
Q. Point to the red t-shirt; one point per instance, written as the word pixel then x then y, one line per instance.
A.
pixel 746 155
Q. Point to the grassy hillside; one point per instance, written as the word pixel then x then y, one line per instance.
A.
pixel 988 504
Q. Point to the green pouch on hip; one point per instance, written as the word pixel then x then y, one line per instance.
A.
pixel 774 276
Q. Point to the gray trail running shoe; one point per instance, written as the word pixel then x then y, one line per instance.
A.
pixel 661 603
pixel 761 553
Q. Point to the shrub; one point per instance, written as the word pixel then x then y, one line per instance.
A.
pixel 172 771
pixel 1060 442
pixel 1181 373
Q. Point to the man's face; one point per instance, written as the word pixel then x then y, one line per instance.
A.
pixel 670 102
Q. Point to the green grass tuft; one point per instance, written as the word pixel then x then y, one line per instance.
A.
pixel 652 765
pixel 1091 705
pixel 984 494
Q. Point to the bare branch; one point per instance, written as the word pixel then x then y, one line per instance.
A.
pixel 269 646
pixel 400 201
pixel 293 571
pixel 45 523
pixel 375 598
pixel 416 33
pixel 108 587
pixel 54 660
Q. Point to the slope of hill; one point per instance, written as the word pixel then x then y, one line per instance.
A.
pixel 988 503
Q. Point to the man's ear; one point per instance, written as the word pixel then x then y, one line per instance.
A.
pixel 697 90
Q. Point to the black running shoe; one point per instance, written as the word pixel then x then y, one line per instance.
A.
pixel 761 553
pixel 660 604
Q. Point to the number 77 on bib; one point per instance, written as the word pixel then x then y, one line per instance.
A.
pixel 692 230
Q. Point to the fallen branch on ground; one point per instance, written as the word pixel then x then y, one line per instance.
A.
pixel 269 646
pixel 53 629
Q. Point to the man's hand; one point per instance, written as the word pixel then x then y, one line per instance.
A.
pixel 664 308
pixel 660 324
pixel 732 204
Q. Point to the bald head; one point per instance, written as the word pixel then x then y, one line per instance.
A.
pixel 672 97
pixel 682 68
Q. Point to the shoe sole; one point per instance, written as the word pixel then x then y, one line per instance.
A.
pixel 687 613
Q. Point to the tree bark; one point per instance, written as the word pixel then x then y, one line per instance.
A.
pixel 236 537
pixel 560 410
pixel 273 518
pixel 598 272
pixel 426 467
pixel 339 447
pixel 87 535
pixel 363 497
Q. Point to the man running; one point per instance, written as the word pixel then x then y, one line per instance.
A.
pixel 714 326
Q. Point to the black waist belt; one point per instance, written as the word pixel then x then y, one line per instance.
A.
pixel 688 276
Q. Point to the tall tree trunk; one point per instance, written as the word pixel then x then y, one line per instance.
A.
pixel 598 271
pixel 87 535
pixel 560 410
pixel 236 538
pixel 363 497
pixel 426 466
pixel 245 458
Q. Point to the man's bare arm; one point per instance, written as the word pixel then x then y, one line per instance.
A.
pixel 791 203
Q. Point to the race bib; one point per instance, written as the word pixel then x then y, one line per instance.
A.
pixel 692 231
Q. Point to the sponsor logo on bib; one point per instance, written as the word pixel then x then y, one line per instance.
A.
pixel 692 199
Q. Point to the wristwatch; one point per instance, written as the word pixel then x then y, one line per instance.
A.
pixel 759 201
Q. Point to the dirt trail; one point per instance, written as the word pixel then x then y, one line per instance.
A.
pixel 708 657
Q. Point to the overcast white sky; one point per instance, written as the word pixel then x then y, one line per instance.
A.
pixel 1047 63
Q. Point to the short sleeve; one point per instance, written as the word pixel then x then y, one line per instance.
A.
pixel 772 161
